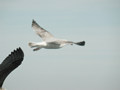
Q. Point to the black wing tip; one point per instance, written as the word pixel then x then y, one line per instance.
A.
pixel 18 51
pixel 33 22
pixel 82 43
pixel 15 55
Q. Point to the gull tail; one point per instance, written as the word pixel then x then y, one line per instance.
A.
pixel 82 43
pixel 31 44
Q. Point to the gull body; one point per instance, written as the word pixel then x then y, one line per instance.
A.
pixel 49 41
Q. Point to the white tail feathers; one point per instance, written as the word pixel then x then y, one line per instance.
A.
pixel 34 45
pixel 31 44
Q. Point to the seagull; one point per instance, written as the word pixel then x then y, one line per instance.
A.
pixel 48 40
pixel 9 64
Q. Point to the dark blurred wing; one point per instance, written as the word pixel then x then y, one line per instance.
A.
pixel 45 35
pixel 10 63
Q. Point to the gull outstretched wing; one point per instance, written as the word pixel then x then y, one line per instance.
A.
pixel 10 63
pixel 44 34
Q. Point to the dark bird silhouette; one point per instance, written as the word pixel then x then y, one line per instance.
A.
pixel 10 63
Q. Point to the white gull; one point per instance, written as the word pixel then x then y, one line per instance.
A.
pixel 49 41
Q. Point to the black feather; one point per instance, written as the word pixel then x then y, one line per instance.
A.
pixel 81 43
pixel 10 63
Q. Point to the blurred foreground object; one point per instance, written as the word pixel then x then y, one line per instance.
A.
pixel 10 63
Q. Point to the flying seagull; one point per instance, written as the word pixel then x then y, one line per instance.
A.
pixel 9 64
pixel 49 41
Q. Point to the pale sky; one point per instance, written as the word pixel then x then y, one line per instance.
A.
pixel 96 66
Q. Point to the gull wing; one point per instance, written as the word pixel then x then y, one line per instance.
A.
pixel 10 63
pixel 44 34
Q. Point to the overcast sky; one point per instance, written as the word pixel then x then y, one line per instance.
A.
pixel 93 67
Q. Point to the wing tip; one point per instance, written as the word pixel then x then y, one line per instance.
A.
pixel 33 22
pixel 82 43
pixel 36 25
pixel 17 53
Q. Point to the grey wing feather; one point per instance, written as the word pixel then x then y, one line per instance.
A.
pixel 45 35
